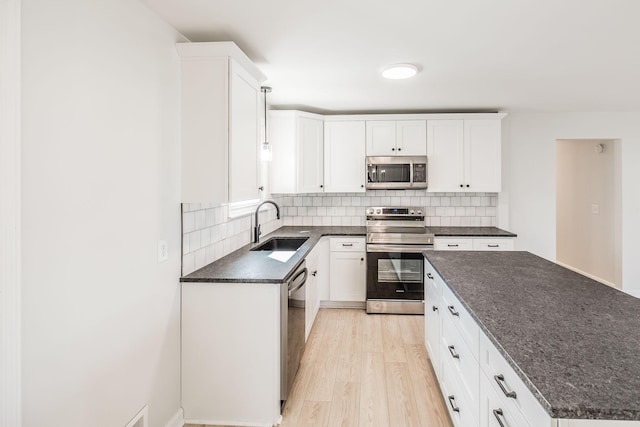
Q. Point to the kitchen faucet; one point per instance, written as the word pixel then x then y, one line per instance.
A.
pixel 256 229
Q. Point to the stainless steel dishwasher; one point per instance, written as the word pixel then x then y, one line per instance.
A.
pixel 292 324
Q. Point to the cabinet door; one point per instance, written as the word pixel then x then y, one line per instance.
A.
pixel 311 296
pixel 411 137
pixel 348 275
pixel 310 155
pixel 445 157
pixel 244 135
pixel 283 138
pixel 204 96
pixel 344 157
pixel 381 138
pixel 482 145
pixel 432 307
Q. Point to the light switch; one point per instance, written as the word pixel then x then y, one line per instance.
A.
pixel 595 209
pixel 163 250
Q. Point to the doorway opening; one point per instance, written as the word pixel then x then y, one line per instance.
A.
pixel 588 208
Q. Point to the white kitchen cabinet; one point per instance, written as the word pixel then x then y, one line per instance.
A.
pixel 348 269
pixel 230 364
pixel 432 315
pixel 473 244
pixel 316 273
pixel 464 155
pixel 397 138
pixel 298 151
pixel 220 94
pixel 344 156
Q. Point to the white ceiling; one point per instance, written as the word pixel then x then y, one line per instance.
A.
pixel 475 55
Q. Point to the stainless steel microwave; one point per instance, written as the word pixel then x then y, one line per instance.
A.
pixel 398 172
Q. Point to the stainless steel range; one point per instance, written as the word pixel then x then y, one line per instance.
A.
pixel 396 238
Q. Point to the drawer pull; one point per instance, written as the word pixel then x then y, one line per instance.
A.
pixel 500 380
pixel 453 311
pixel 452 402
pixel 400 290
pixel 435 308
pixel 452 246
pixel 499 415
pixel 315 273
pixel 347 244
pixel 493 246
pixel 452 350
pixel 430 276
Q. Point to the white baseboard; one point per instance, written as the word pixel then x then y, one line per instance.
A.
pixel 590 276
pixel 177 420
pixel 633 293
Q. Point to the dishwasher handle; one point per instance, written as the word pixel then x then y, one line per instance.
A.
pixel 293 287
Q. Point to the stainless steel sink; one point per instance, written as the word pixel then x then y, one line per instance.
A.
pixel 281 244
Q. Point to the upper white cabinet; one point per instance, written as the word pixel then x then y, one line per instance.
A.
pixel 397 138
pixel 464 155
pixel 220 103
pixel 298 141
pixel 344 156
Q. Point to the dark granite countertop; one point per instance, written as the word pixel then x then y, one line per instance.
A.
pixel 470 232
pixel 574 341
pixel 244 266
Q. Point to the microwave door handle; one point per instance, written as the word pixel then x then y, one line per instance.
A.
pixel 411 173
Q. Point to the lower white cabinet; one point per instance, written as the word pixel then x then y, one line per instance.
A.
pixel 348 267
pixel 231 353
pixel 473 244
pixel 479 387
pixel 317 280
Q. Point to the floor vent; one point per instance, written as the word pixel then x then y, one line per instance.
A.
pixel 140 419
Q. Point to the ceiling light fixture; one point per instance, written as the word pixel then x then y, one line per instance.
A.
pixel 266 154
pixel 399 71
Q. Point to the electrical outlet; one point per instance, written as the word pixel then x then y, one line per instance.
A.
pixel 595 209
pixel 163 250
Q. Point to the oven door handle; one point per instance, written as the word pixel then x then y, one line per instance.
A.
pixel 399 248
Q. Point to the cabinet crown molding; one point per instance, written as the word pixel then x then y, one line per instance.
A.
pixel 201 50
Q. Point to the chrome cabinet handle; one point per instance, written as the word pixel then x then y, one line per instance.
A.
pixel 400 291
pixel 500 380
pixel 435 308
pixel 347 244
pixel 453 311
pixel 493 246
pixel 452 246
pixel 430 276
pixel 452 402
pixel 452 350
pixel 315 273
pixel 499 415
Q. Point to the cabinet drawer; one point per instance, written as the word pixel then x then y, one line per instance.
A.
pixel 495 411
pixel 432 280
pixel 498 244
pixel 454 311
pixel 462 362
pixel 507 384
pixel 462 412
pixel 343 244
pixel 453 244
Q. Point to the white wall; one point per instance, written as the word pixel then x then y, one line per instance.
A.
pixel 586 240
pixel 100 187
pixel 532 178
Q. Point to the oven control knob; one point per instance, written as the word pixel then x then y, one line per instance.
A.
pixel 419 212
pixel 370 211
pixel 412 212
pixel 378 211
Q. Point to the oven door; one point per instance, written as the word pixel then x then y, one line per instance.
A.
pixel 394 275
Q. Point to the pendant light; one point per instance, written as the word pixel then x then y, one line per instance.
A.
pixel 265 150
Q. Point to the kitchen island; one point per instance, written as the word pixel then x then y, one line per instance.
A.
pixel 574 342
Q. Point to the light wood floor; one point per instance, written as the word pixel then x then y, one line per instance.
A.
pixel 365 370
